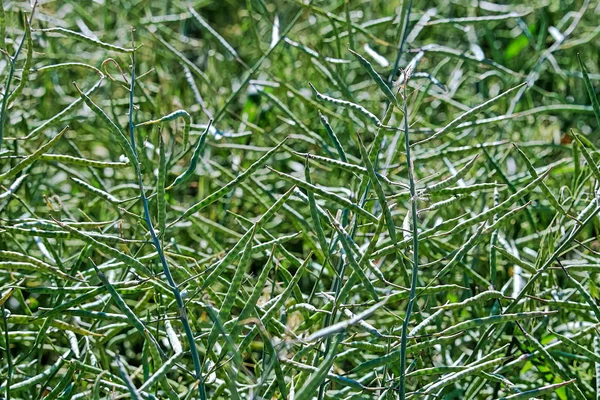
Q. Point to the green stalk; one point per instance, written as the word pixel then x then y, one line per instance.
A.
pixel 7 351
pixel 415 267
pixel 180 304
pixel 11 72
pixel 402 34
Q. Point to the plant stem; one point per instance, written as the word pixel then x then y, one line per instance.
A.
pixel 11 72
pixel 8 354
pixel 415 267
pixel 402 33
pixel 180 304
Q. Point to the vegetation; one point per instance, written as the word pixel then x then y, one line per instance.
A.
pixel 296 199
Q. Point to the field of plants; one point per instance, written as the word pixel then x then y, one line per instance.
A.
pixel 299 199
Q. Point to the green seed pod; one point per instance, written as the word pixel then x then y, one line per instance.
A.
pixel 367 346
pixel 314 212
pixel 377 78
pixel 448 128
pixel 515 260
pixel 254 296
pixel 98 192
pixel 62 384
pixel 295 118
pixel 276 307
pixel 441 204
pixel 128 260
pixel 27 161
pixel 206 26
pixel 342 380
pixel 133 319
pixel 170 117
pixel 309 388
pixel 588 157
pixel 345 239
pixel 31 382
pixel 549 195
pixel 29 319
pixel 493 320
pixel 393 355
pixel 86 39
pixel 500 207
pixel 217 268
pixel 415 331
pixel 535 393
pixel 470 370
pixel 333 137
pixel 590 89
pixel 26 66
pixel 114 128
pixel 67 65
pixel 82 162
pixel 391 226
pixel 483 296
pixel 22 261
pixel 327 195
pixel 193 160
pixel 162 371
pixel 586 295
pixel 436 370
pixel 554 365
pixel 37 232
pixel 444 151
pixel 343 103
pixel 461 173
pixel 280 240
pixel 208 200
